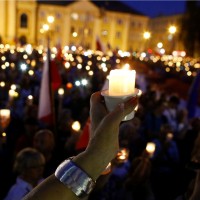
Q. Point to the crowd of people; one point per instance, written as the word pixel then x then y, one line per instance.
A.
pixel 32 150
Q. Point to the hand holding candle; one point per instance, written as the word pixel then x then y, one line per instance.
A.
pixel 121 88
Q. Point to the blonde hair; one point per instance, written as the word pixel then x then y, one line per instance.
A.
pixel 28 158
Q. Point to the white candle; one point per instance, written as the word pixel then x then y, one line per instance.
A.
pixel 150 148
pixel 121 82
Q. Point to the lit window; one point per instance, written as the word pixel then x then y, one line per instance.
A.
pixel 104 32
pixel 74 16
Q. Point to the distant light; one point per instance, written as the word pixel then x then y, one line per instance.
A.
pixel 29 49
pixel 2 84
pixel 30 97
pixel 172 29
pixel 76 126
pixel 61 91
pixel 79 66
pixel 50 19
pixel 3 134
pixel 45 27
pixel 13 87
pixel 23 67
pixel 160 45
pixel 146 35
pixel 77 83
pixel 74 34
pixel 143 54
pixel 162 51
pixel 84 82
pixel 69 85
pixel 31 72
pixel 73 48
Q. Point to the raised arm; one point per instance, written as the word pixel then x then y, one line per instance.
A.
pixel 102 148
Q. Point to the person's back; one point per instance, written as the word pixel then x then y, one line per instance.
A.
pixel 29 165
pixel 44 142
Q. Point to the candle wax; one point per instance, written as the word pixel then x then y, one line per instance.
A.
pixel 121 82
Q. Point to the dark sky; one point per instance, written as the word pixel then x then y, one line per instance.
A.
pixel 155 8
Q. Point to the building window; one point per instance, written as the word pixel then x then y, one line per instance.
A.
pixel 104 32
pixel 75 16
pixel 119 22
pixel 42 13
pixel 72 29
pixel 133 24
pixel 23 21
pixel 105 20
pixel 118 34
pixel 58 15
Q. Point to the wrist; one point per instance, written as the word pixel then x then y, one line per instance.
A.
pixel 75 178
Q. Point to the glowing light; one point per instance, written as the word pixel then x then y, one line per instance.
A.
pixel 69 85
pixel 162 51
pixel 61 91
pixel 150 148
pixel 23 67
pixel 45 27
pixel 87 68
pixel 84 82
pixel 146 35
pixel 79 66
pixel 50 19
pixel 30 97
pixel 77 83
pixel 2 84
pixel 13 87
pixel 76 126
pixel 28 49
pixel 90 73
pixel 67 65
pixel 3 134
pixel 172 29
pixel 160 45
pixel 143 54
pixel 74 34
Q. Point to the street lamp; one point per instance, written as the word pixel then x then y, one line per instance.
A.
pixel 172 30
pixel 47 28
pixel 146 36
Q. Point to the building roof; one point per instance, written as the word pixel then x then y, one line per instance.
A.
pixel 116 6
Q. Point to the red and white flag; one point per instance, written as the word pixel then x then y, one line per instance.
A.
pixel 45 110
pixel 99 45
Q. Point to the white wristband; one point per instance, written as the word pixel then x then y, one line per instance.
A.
pixel 74 178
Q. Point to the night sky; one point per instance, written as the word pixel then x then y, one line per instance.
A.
pixel 155 8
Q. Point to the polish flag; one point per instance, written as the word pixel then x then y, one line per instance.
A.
pixel 45 110
pixel 99 45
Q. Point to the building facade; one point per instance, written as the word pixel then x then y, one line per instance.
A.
pixel 76 23
pixel 81 22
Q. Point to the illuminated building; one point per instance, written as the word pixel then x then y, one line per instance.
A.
pixel 76 23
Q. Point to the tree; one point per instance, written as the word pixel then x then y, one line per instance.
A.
pixel 190 29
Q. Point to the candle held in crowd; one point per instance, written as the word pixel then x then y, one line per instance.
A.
pixel 121 82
